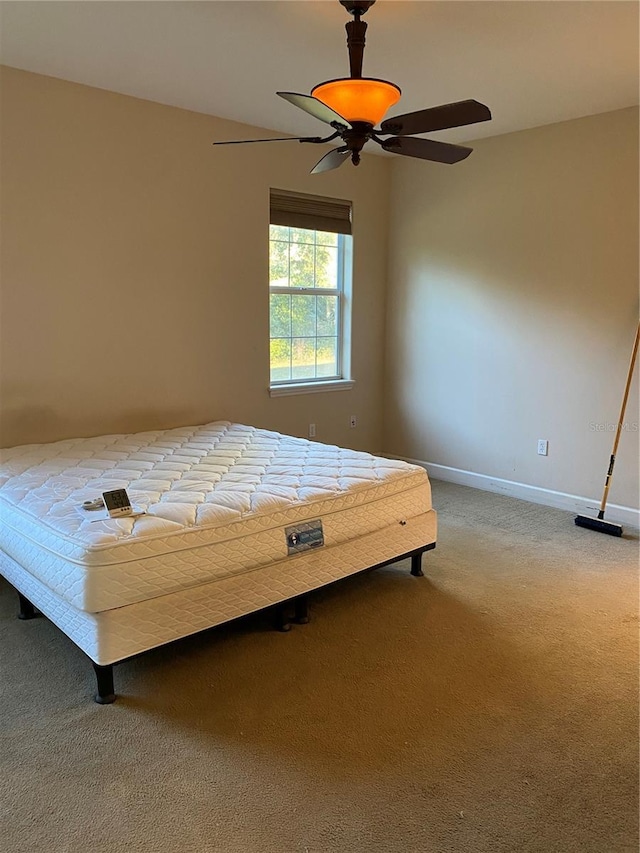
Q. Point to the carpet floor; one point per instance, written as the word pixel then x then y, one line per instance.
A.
pixel 490 706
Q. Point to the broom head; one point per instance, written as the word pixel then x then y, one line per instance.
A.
pixel 599 524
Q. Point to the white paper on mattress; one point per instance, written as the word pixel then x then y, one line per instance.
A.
pixel 224 485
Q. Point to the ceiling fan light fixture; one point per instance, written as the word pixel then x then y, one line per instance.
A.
pixel 358 99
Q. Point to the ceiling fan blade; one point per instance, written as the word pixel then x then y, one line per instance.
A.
pixel 437 118
pixel 272 139
pixel 426 149
pixel 317 109
pixel 331 160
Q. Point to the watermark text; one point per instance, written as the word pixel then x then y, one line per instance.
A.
pixel 607 426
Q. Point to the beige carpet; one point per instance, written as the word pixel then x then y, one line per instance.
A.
pixel 490 706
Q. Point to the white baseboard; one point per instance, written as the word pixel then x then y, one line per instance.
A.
pixel 534 494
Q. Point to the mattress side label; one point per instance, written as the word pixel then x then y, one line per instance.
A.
pixel 303 537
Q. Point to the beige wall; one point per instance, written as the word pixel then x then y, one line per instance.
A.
pixel 512 286
pixel 513 299
pixel 135 270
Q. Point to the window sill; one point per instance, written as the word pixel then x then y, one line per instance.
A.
pixel 311 387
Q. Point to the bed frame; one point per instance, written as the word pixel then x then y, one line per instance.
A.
pixel 290 610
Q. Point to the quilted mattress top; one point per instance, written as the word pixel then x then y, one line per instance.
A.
pixel 196 484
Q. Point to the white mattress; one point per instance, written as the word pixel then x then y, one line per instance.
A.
pixel 218 498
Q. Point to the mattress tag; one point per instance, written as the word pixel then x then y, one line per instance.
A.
pixel 303 537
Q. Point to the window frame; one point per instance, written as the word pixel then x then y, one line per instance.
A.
pixel 338 292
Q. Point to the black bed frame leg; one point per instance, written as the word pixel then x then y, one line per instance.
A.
pixel 302 609
pixel 27 610
pixel 416 564
pixel 282 622
pixel 104 677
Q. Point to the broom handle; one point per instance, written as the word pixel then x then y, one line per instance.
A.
pixel 619 426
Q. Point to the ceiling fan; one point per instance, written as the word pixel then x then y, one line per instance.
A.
pixel 354 105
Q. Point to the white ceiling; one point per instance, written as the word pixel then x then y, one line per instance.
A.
pixel 532 63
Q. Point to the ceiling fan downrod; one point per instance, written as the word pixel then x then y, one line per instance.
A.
pixel 356 32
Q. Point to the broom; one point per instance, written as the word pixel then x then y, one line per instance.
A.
pixel 599 523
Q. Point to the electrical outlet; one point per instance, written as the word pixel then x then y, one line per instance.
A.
pixel 353 422
pixel 312 430
pixel 543 447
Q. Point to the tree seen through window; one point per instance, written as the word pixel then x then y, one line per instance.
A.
pixel 305 278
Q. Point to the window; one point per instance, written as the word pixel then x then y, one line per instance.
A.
pixel 309 286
